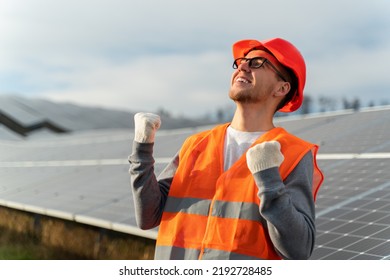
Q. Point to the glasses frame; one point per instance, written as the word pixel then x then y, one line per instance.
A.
pixel 237 62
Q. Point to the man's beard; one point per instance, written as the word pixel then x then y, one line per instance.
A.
pixel 244 96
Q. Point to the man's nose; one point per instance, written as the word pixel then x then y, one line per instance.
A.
pixel 244 66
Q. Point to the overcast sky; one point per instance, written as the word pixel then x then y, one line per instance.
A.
pixel 176 54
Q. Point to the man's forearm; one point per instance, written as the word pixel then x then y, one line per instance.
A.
pixel 149 197
pixel 150 193
pixel 288 208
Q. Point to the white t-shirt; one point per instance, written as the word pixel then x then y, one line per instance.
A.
pixel 237 143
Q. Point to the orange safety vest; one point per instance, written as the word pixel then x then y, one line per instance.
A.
pixel 214 214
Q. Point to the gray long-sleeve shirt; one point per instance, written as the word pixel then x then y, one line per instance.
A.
pixel 286 207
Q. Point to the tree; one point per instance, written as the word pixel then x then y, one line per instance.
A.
pixel 353 104
pixel 306 105
pixel 327 103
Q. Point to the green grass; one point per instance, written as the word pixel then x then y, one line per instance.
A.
pixel 16 246
pixel 19 252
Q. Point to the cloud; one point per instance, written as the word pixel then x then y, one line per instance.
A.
pixel 357 72
pixel 144 55
pixel 183 84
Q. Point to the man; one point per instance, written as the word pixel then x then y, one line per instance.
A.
pixel 243 190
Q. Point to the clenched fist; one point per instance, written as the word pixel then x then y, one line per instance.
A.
pixel 146 125
pixel 263 156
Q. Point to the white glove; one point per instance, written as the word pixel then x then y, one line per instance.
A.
pixel 264 156
pixel 145 126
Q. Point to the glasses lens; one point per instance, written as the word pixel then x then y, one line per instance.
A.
pixel 256 62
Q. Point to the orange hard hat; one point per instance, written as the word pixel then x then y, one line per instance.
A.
pixel 288 55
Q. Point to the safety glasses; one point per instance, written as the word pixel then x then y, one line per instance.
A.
pixel 255 63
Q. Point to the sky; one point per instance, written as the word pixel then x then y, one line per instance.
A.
pixel 176 55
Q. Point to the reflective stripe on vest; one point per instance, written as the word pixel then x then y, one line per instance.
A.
pixel 212 214
pixel 177 253
pixel 222 209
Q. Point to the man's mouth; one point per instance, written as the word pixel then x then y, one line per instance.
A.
pixel 243 80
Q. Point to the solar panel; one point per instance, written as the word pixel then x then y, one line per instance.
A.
pixel 6 134
pixel 84 177
pixel 353 211
pixel 29 113
pixel 22 113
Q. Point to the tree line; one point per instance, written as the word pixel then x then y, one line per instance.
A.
pixel 310 105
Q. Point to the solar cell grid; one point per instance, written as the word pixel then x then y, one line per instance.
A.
pixel 353 132
pixel 352 220
pixel 362 231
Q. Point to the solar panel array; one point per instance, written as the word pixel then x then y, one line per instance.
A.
pixel 84 177
pixel 353 205
pixel 30 112
pixel 40 118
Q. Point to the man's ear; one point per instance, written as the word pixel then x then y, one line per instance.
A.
pixel 283 89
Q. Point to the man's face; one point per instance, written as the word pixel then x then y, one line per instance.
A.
pixel 254 85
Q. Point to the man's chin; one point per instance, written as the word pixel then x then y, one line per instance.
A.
pixel 242 97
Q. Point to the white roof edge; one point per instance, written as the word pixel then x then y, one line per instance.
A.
pixel 339 156
pixel 151 234
pixel 84 219
pixel 332 113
